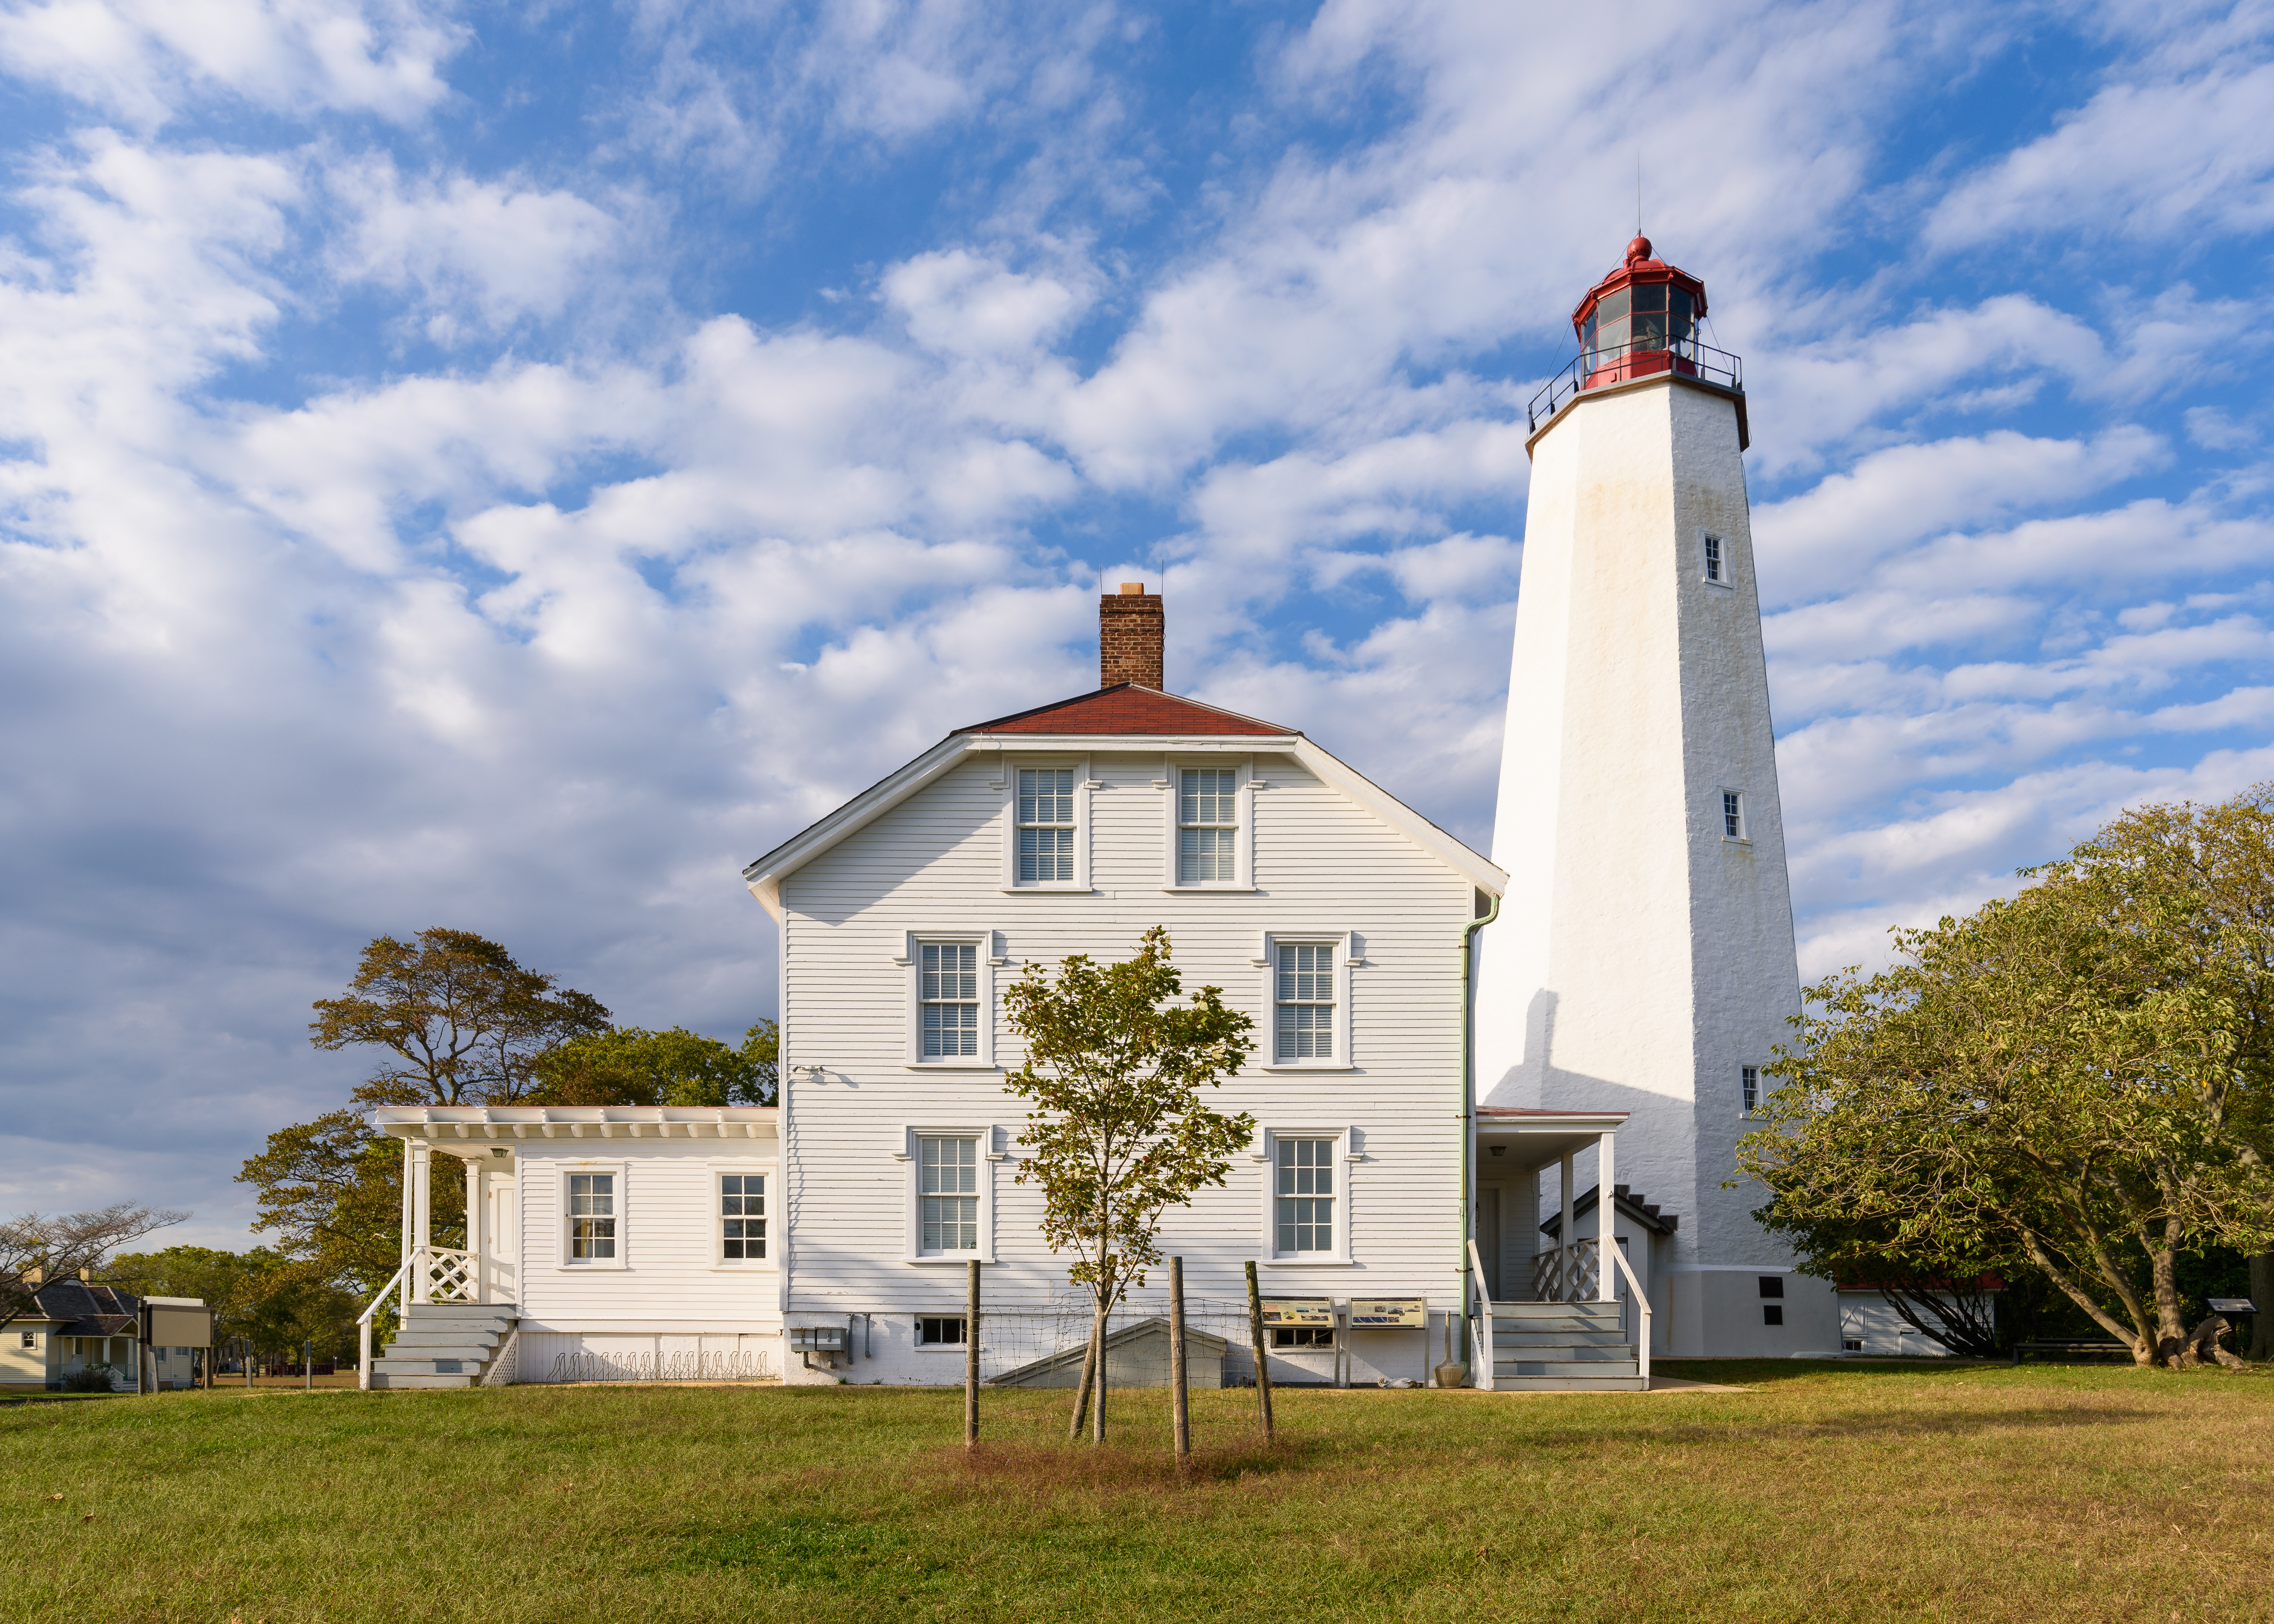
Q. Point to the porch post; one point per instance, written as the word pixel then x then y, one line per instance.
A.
pixel 1606 1219
pixel 421 1217
pixel 1567 1238
pixel 476 1180
pixel 409 1179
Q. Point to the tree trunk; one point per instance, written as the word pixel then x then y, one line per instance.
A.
pixel 1089 1380
pixel 2261 1293
pixel 2203 1346
pixel 1097 1393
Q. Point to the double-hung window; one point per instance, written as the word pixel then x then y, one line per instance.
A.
pixel 1304 1195
pixel 1304 1018
pixel 947 1191
pixel 947 992
pixel 1715 552
pixel 1732 815
pixel 591 1217
pixel 741 1217
pixel 1207 826
pixel 1045 827
pixel 1749 1088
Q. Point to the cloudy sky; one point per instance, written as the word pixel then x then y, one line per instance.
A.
pixel 505 466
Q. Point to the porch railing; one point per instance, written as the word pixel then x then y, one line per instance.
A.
pixel 1642 1330
pixel 1569 1274
pixel 363 1334
pixel 1480 1328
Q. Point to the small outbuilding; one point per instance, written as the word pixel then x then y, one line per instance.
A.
pixel 1136 1356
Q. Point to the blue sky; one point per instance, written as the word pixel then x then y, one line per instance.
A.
pixel 508 466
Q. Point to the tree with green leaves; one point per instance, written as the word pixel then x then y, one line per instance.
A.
pixel 462 1021
pixel 631 1066
pixel 1119 1131
pixel 2075 1080
pixel 331 1191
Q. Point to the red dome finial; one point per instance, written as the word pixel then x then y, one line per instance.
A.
pixel 1639 249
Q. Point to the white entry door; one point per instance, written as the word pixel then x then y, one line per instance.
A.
pixel 501 1240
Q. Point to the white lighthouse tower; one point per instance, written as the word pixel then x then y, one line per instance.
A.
pixel 1643 960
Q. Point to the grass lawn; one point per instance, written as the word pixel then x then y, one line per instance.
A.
pixel 1821 1493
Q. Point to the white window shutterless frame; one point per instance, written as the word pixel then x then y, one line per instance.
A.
pixel 743 1197
pixel 950 988
pixel 1713 559
pixel 1210 825
pixel 950 1193
pixel 1306 999
pixel 1046 805
pixel 592 1228
pixel 1306 1189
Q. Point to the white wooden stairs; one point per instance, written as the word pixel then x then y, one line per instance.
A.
pixel 1562 1347
pixel 444 1345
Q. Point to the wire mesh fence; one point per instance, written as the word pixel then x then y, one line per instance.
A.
pixel 1043 1345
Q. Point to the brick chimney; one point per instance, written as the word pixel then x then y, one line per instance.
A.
pixel 1130 630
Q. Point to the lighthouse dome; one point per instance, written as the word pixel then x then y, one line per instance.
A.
pixel 1640 319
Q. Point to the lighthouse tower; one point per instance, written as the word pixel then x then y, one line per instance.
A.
pixel 1642 963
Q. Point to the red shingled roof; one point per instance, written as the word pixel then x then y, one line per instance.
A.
pixel 1127 709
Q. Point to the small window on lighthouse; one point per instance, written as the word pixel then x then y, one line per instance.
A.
pixel 1717 567
pixel 1732 815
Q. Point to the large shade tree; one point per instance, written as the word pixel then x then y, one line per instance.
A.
pixel 2078 1080
pixel 1120 1130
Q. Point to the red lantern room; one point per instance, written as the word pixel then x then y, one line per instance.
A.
pixel 1641 318
pixel 1639 321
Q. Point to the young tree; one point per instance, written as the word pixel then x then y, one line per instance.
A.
pixel 464 1022
pixel 1118 1133
pixel 630 1066
pixel 39 1247
pixel 2073 1079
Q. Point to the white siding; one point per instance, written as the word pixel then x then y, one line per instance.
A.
pixel 1321 864
pixel 670 1280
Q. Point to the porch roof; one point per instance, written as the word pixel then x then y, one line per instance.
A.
pixel 1534 1137
pixel 444 1125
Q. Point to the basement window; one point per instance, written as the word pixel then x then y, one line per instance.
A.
pixel 1302 1336
pixel 939 1331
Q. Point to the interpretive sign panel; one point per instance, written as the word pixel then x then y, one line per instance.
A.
pixel 1312 1311
pixel 1378 1313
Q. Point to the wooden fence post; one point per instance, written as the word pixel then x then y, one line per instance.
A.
pixel 1180 1398
pixel 1263 1364
pixel 970 1358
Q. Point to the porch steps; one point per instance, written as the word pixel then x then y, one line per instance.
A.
pixel 444 1345
pixel 1562 1347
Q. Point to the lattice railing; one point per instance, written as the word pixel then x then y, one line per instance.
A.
pixel 449 1275
pixel 1568 1274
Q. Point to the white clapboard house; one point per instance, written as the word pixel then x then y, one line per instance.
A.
pixel 1455 1056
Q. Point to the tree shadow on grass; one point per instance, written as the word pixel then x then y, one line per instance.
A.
pixel 1036 1467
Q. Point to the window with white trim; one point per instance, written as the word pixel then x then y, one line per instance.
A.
pixel 947 1191
pixel 947 996
pixel 1045 827
pixel 1207 826
pixel 591 1217
pixel 1732 815
pixel 1303 1195
pixel 743 1217
pixel 1749 1088
pixel 1715 553
pixel 1304 1016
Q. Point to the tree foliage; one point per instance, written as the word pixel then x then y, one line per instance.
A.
pixel 331 1191
pixel 261 1299
pixel 37 1247
pixel 2074 1081
pixel 1119 1131
pixel 462 1021
pixel 630 1066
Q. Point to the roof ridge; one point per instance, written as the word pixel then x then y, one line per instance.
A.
pixel 1180 701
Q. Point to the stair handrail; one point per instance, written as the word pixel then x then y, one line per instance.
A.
pixel 363 1329
pixel 1481 1331
pixel 1642 1349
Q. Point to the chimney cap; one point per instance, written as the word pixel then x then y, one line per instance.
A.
pixel 1132 589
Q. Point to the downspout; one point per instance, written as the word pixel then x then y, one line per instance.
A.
pixel 1469 1093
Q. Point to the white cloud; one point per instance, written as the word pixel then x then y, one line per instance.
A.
pixel 144 61
pixel 2143 161
pixel 479 255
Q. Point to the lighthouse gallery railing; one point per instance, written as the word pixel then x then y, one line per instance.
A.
pixel 1610 364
